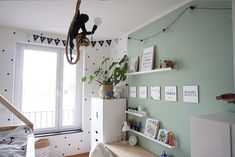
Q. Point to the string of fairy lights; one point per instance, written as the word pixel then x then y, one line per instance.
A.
pixel 175 20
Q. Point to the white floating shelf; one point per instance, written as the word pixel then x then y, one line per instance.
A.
pixel 154 140
pixel 151 71
pixel 135 114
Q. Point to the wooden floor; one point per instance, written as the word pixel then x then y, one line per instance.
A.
pixel 80 155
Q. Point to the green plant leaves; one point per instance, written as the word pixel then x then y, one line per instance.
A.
pixel 91 78
pixel 112 65
pixel 116 72
pixel 105 60
pixel 84 78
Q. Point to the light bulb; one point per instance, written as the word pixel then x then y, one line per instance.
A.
pixel 97 21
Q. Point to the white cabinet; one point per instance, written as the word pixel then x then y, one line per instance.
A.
pixel 213 135
pixel 107 117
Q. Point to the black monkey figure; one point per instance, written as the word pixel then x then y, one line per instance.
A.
pixel 77 24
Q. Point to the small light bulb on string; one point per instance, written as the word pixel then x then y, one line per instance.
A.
pixel 141 43
pixel 190 9
pixel 163 31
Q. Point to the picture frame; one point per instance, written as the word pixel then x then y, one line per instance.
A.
pixel 171 93
pixel 163 135
pixel 143 92
pixel 152 127
pixel 134 64
pixel 132 92
pixel 147 59
pixel 190 94
pixel 155 92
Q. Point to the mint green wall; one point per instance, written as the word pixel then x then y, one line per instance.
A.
pixel 200 43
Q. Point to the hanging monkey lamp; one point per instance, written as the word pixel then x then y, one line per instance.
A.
pixel 77 24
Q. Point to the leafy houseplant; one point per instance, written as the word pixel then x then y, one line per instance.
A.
pixel 109 75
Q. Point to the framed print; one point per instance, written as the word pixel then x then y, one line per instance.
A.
pixel 133 92
pixel 155 92
pixel 151 127
pixel 147 59
pixel 143 92
pixel 190 94
pixel 163 135
pixel 134 64
pixel 171 93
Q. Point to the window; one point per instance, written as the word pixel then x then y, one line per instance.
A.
pixel 48 90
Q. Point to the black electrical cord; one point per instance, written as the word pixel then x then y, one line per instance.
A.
pixel 176 19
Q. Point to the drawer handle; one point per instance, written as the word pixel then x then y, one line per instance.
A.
pixel 96 114
pixel 96 140
pixel 96 132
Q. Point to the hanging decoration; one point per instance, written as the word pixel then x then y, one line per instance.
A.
pixel 57 41
pixel 93 43
pixel 108 42
pixel 35 37
pixel 101 43
pixel 175 20
pixel 42 39
pixel 115 40
pixel 78 22
pixel 64 42
pixel 49 40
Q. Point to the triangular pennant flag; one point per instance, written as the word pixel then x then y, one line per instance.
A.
pixel 101 43
pixel 49 40
pixel 108 42
pixel 42 39
pixel 115 40
pixel 93 43
pixel 57 41
pixel 64 42
pixel 35 37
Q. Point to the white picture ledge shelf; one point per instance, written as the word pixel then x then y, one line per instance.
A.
pixel 154 140
pixel 135 114
pixel 151 71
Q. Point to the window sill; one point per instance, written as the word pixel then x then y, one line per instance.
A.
pixel 56 133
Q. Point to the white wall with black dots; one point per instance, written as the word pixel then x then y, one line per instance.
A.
pixel 61 145
pixel 118 50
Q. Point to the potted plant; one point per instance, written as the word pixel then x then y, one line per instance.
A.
pixel 109 76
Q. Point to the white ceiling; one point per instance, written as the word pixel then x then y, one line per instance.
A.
pixel 119 17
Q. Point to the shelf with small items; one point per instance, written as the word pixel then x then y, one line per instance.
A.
pixel 151 71
pixel 136 114
pixel 152 139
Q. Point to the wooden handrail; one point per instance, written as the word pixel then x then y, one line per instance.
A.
pixel 15 111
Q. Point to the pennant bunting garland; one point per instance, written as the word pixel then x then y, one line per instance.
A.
pixel 64 42
pixel 101 43
pixel 49 40
pixel 42 39
pixel 57 41
pixel 108 42
pixel 35 37
pixel 93 43
pixel 115 40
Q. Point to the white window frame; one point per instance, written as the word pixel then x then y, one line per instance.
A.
pixel 59 86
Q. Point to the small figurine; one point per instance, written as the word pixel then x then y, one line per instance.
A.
pixel 170 136
pixel 167 64
pixel 163 154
